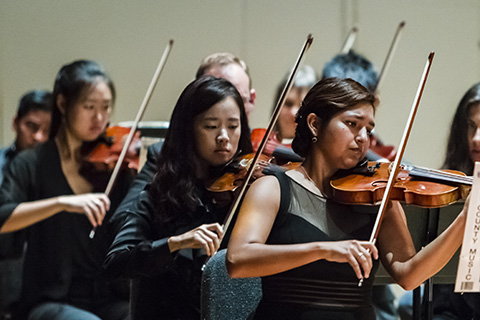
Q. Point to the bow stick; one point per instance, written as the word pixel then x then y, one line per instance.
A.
pixel 269 130
pixel 391 51
pixel 139 116
pixel 401 149
pixel 348 44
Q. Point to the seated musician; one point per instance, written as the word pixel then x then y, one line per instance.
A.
pixel 161 232
pixel 310 250
pixel 45 196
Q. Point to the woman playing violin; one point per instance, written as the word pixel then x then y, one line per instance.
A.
pixel 310 250
pixel 159 241
pixel 45 195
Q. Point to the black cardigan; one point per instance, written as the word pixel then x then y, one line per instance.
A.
pixel 60 256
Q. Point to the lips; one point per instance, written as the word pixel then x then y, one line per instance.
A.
pixel 475 155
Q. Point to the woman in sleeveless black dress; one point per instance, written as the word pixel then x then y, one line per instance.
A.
pixel 311 251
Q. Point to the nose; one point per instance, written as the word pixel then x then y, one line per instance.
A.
pixel 476 136
pixel 223 136
pixel 40 136
pixel 294 110
pixel 362 136
pixel 99 116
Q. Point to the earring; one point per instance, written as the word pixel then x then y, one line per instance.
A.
pixel 314 139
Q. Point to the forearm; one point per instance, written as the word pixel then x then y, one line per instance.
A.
pixel 29 213
pixel 431 259
pixel 258 260
pixel 147 258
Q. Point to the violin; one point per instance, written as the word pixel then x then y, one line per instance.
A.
pixel 107 151
pixel 417 186
pixel 236 172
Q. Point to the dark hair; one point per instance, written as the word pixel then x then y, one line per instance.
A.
pixel 72 81
pixel 34 100
pixel 458 152
pixel 327 98
pixel 305 78
pixel 175 184
pixel 354 66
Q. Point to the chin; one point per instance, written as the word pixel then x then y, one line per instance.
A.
pixel 349 164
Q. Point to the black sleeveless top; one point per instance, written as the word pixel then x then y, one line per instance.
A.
pixel 322 289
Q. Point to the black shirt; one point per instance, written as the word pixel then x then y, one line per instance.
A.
pixel 62 263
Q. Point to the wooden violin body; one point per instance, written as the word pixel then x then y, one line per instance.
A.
pixel 106 154
pixel 368 187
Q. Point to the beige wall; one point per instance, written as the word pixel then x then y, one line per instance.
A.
pixel 128 37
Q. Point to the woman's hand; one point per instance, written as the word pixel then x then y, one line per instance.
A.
pixel 356 253
pixel 207 236
pixel 93 205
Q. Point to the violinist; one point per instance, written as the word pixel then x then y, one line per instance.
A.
pixel 463 149
pixel 292 233
pixel 45 197
pixel 161 235
pixel 220 64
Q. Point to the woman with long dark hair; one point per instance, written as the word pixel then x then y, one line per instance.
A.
pixel 309 249
pixel 160 236
pixel 463 147
pixel 45 195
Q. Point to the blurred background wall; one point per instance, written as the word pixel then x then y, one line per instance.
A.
pixel 128 37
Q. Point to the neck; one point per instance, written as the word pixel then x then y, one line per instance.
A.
pixel 68 145
pixel 319 172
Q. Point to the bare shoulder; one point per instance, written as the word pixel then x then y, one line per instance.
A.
pixel 265 186
pixel 263 195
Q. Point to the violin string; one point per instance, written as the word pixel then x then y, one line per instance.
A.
pixel 447 175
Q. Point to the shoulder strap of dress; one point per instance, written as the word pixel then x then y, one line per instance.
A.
pixel 285 185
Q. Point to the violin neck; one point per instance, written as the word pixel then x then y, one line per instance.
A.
pixel 439 175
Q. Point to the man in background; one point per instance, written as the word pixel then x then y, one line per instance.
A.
pixel 31 124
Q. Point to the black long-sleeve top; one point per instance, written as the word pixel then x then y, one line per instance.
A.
pixel 166 285
pixel 60 257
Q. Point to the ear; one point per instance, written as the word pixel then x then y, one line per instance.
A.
pixel 61 104
pixel 253 95
pixel 15 123
pixel 313 124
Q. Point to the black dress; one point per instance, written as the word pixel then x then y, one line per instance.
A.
pixel 322 289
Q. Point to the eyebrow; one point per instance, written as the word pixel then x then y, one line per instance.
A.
pixel 94 100
pixel 216 118
pixel 372 123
